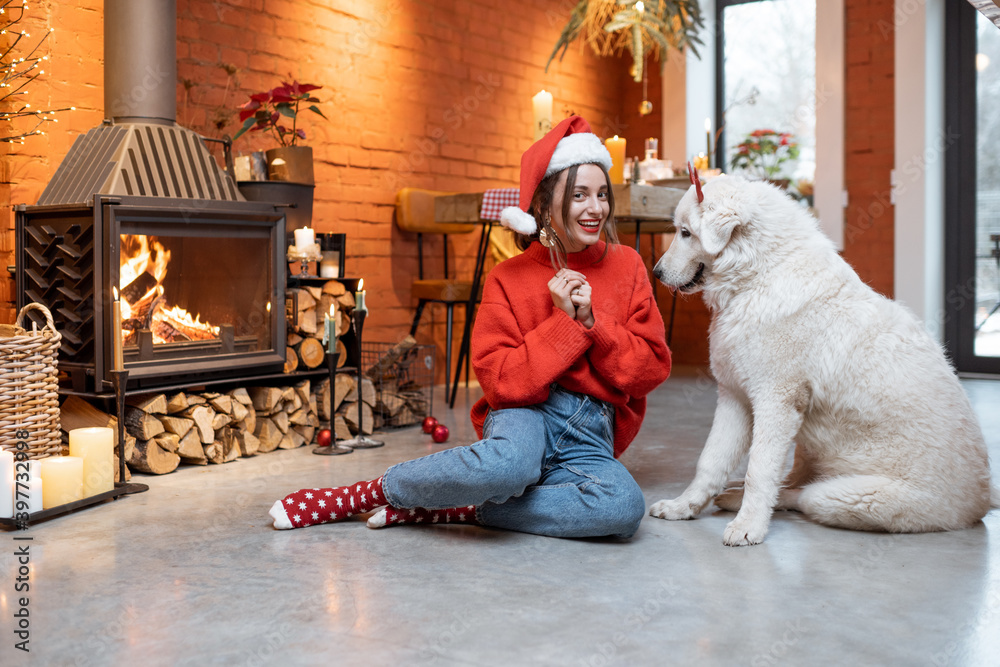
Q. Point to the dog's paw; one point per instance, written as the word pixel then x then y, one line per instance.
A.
pixel 672 510
pixel 730 500
pixel 741 532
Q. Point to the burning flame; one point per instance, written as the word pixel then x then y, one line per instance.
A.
pixel 144 263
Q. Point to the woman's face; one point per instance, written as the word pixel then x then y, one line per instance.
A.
pixel 588 210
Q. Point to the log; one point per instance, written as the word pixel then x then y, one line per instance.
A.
pixel 265 399
pixel 248 443
pixel 190 449
pixel 341 428
pixel 367 392
pixel 249 423
pixel 78 413
pixel 314 292
pixel 341 353
pixel 303 389
pixel 391 402
pixel 334 288
pixel 177 425
pixel 168 441
pixel 280 419
pixel 304 299
pixel 240 411
pixel 346 301
pixel 384 366
pixel 143 426
pixel 203 417
pixel 177 403
pixel 292 339
pixel 214 452
pixel 242 395
pixel 154 404
pixel 307 322
pixel 311 352
pixel 349 411
pixel 150 458
pixel 307 432
pixel 220 420
pixel 231 448
pixel 222 403
pixel 299 418
pixel 291 360
pixel 195 399
pixel 268 434
pixel 287 442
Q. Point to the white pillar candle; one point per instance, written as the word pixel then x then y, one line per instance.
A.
pixel 95 445
pixel 541 108
pixel 305 238
pixel 6 484
pixel 62 480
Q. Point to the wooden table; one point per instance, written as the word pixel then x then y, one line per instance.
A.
pixel 646 206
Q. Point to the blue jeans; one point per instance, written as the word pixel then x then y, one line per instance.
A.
pixel 547 469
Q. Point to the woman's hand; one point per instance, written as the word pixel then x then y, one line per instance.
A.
pixel 561 288
pixel 580 297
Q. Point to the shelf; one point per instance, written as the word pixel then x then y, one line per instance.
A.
pixel 119 490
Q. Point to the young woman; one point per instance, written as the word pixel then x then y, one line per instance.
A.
pixel 567 343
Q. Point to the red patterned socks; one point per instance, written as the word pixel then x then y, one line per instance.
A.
pixel 309 507
pixel 391 516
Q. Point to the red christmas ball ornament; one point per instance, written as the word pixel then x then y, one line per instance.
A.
pixel 323 438
pixel 429 424
pixel 440 433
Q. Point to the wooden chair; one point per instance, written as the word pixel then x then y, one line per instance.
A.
pixel 415 214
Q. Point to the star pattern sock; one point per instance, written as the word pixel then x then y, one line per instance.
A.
pixel 309 507
pixel 391 516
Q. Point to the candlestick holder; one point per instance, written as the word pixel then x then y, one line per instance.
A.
pixel 303 257
pixel 119 380
pixel 361 441
pixel 334 448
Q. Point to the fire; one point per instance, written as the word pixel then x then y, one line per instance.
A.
pixel 144 305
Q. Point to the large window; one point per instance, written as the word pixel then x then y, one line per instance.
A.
pixel 972 284
pixel 767 77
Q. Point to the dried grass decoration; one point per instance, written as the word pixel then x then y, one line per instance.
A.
pixel 29 387
pixel 650 27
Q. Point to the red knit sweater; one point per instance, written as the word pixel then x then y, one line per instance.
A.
pixel 522 343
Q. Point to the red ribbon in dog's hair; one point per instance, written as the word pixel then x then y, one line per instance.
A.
pixel 695 181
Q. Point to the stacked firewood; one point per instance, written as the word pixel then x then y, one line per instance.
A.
pixel 310 306
pixel 164 430
pixel 402 399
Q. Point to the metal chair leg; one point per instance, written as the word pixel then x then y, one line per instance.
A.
pixel 416 317
pixel 447 354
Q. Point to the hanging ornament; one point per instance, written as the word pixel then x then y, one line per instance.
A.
pixel 645 107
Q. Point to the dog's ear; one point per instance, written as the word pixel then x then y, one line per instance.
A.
pixel 717 228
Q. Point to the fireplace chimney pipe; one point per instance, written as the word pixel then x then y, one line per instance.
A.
pixel 140 61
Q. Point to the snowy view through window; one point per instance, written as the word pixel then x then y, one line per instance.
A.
pixel 770 77
pixel 987 343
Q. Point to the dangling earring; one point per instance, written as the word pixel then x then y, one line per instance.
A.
pixel 546 235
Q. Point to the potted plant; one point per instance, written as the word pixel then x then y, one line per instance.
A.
pixel 269 111
pixel 762 152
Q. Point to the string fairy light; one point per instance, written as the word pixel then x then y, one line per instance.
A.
pixel 18 72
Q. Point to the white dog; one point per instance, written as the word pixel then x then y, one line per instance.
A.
pixel 806 353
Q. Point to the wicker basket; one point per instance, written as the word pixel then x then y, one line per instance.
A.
pixel 29 389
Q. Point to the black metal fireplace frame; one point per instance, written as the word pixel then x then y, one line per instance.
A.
pixel 69 260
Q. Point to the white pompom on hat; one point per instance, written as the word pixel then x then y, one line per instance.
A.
pixel 569 143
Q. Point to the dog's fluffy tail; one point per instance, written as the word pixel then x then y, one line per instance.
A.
pixel 994 496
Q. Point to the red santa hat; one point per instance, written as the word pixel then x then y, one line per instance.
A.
pixel 568 143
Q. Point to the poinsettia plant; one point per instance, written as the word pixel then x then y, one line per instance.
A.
pixel 266 111
pixel 763 152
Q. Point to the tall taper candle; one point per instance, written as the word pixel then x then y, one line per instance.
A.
pixel 708 141
pixel 359 297
pixel 117 358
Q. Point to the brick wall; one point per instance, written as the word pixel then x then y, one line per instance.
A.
pixel 434 94
pixel 869 73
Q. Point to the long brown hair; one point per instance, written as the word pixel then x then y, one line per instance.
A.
pixel 542 203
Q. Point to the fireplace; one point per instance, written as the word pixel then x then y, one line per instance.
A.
pixel 202 287
pixel 139 183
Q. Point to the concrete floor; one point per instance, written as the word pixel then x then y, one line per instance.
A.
pixel 191 573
